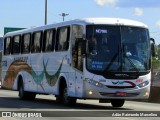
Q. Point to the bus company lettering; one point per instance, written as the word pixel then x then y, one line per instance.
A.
pixel 24 59
pixel 118 82
pixel 122 82
pixel 101 31
pixel 4 63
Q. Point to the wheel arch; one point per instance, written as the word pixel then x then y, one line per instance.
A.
pixel 61 83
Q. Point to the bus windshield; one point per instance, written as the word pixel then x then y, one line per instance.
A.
pixel 117 49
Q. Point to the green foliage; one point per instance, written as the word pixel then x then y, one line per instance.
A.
pixel 0 56
pixel 158 51
pixel 155 63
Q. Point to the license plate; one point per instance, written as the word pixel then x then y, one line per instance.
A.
pixel 123 94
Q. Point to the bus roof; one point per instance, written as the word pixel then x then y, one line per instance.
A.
pixel 85 21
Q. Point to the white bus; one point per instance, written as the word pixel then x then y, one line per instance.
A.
pixel 107 59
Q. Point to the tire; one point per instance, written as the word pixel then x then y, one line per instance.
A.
pixel 58 98
pixel 22 93
pixel 117 102
pixel 66 99
pixel 25 95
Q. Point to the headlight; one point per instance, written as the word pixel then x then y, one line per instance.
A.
pixel 145 83
pixel 95 83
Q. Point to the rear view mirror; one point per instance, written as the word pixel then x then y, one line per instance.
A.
pixel 84 42
pixel 153 49
pixel 81 45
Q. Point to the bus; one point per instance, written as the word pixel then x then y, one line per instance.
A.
pixel 107 59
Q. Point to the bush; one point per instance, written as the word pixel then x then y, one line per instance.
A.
pixel 155 63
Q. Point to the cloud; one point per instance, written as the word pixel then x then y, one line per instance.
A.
pixel 158 23
pixel 106 2
pixel 138 12
pixel 129 3
pixel 139 3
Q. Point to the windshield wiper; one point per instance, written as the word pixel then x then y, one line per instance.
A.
pixel 111 62
pixel 130 61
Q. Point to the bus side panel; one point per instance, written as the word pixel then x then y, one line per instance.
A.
pixel 46 69
pixel 7 72
pixel 71 83
pixel 57 66
pixel 37 72
pixel 28 81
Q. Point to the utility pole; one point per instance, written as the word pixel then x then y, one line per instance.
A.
pixel 45 12
pixel 63 15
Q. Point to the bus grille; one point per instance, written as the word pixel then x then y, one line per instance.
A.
pixel 119 87
pixel 114 94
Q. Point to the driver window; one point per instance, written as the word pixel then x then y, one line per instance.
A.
pixel 92 44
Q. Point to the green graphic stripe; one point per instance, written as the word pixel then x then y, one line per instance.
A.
pixel 52 79
pixel 17 66
pixel 37 78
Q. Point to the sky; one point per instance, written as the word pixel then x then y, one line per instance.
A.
pixel 30 13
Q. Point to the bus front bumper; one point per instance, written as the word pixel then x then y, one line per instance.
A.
pixel 94 92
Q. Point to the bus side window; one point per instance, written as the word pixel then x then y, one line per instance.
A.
pixel 7 45
pixel 26 43
pixel 36 42
pixel 49 40
pixel 16 44
pixel 62 39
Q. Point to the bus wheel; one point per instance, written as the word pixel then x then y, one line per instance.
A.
pixel 117 102
pixel 22 93
pixel 25 95
pixel 58 98
pixel 66 99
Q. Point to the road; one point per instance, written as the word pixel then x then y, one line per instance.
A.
pixel 84 109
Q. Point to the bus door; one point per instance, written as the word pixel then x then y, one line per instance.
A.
pixel 77 63
pixel 77 59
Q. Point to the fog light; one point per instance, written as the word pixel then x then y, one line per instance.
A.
pixel 146 94
pixel 90 92
pixel 97 84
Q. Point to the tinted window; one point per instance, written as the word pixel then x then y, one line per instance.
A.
pixel 7 45
pixel 49 38
pixel 26 43
pixel 63 39
pixel 16 45
pixel 113 49
pixel 77 32
pixel 36 43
